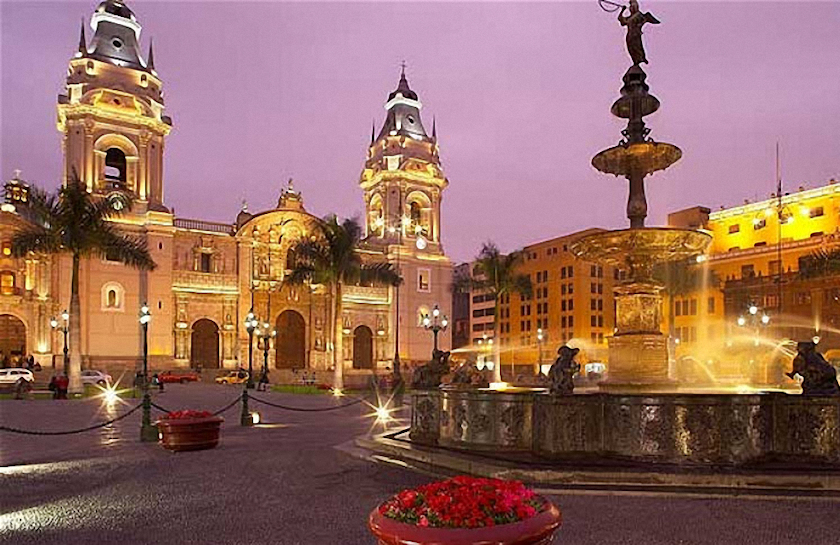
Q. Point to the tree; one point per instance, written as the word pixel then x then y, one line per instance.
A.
pixel 332 259
pixel 495 274
pixel 821 262
pixel 76 222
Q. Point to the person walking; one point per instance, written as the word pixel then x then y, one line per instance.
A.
pixel 61 384
pixel 263 384
pixel 156 380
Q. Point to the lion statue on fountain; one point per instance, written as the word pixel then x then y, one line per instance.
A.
pixel 563 370
pixel 429 376
pixel 818 376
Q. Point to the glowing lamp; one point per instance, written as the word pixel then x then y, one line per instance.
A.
pixel 765 319
pixel 753 310
pixel 255 417
pixel 741 321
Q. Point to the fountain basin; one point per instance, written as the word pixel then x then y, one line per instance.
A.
pixel 683 429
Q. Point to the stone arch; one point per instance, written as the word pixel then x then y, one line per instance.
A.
pixel 12 336
pixel 115 165
pixel 418 209
pixel 362 348
pixel 113 297
pixel 290 344
pixel 204 344
pixel 376 215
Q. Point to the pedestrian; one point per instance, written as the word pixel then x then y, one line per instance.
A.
pixel 53 387
pixel 61 384
pixel 263 384
pixel 6 360
pixel 22 388
pixel 156 380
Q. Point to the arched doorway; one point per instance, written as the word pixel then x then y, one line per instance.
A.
pixel 204 344
pixel 363 348
pixel 12 336
pixel 290 347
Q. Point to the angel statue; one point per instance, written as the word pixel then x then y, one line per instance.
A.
pixel 634 23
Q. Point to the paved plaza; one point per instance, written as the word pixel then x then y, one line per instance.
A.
pixel 287 482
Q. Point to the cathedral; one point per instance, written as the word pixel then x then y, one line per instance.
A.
pixel 210 275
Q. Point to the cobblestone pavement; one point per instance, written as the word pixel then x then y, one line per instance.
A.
pixel 286 483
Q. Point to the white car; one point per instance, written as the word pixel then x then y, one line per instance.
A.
pixel 11 376
pixel 92 376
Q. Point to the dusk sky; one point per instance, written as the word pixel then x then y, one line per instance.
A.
pixel 263 91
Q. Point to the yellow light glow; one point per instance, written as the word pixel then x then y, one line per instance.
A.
pixel 383 415
pixel 499 385
pixel 255 417
pixel 336 392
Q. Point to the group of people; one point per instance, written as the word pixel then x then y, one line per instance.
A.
pixel 19 360
pixel 58 386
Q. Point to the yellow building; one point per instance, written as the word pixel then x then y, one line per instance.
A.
pixel 209 274
pixel 754 261
pixel 572 302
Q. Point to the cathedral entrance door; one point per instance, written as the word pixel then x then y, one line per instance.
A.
pixel 290 350
pixel 12 336
pixel 204 344
pixel 362 348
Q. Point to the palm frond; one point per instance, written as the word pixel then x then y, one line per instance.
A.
pixel 128 250
pixel 378 274
pixel 34 239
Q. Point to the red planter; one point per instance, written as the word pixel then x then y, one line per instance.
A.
pixel 537 530
pixel 181 434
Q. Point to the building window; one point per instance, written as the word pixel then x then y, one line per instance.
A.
pixel 571 304
pixel 113 297
pixel 759 224
pixel 693 304
pixel 7 248
pixel 205 262
pixel 115 166
pixel 774 267
pixel 424 282
pixel 7 283
pixel 678 308
pixel 816 212
pixel 710 306
pixel 734 228
pixel 747 271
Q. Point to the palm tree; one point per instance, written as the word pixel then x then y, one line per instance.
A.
pixel 495 274
pixel 332 259
pixel 76 222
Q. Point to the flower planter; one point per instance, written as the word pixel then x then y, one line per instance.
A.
pixel 466 510
pixel 537 530
pixel 182 434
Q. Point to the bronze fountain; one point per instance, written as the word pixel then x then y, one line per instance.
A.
pixel 638 352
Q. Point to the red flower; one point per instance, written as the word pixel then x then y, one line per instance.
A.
pixel 464 502
pixel 187 413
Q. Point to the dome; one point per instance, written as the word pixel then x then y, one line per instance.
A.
pixel 115 7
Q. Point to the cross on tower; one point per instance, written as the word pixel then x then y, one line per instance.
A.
pixel 16 174
pixel 402 64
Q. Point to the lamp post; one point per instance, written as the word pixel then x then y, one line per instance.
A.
pixel 147 431
pixel 251 324
pixel 754 318
pixel 63 327
pixel 266 333
pixel 540 338
pixel 397 364
pixel 436 323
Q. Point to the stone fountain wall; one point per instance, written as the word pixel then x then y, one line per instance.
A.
pixel 710 430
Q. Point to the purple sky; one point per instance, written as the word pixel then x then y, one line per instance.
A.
pixel 261 91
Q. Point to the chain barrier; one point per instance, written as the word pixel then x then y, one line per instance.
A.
pixel 307 410
pixel 158 407
pixel 228 406
pixel 70 432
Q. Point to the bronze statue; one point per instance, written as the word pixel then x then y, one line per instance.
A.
pixel 563 370
pixel 634 23
pixel 466 375
pixel 429 376
pixel 818 376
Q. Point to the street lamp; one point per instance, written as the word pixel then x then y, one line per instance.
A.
pixel 147 431
pixel 266 333
pixel 436 323
pixel 251 324
pixel 540 338
pixel 755 318
pixel 63 327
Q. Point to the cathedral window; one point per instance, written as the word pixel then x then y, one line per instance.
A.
pixel 113 297
pixel 7 283
pixel 205 263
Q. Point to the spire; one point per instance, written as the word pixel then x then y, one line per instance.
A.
pixel 150 61
pixel 82 40
pixel 372 131
pixel 434 127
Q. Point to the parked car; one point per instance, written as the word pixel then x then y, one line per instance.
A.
pixel 233 377
pixel 92 376
pixel 14 374
pixel 179 376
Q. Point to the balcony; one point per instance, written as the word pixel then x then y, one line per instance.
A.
pixel 364 294
pixel 207 226
pixel 200 282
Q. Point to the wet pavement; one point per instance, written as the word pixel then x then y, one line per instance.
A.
pixel 286 483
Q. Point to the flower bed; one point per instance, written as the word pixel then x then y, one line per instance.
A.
pixel 466 510
pixel 189 430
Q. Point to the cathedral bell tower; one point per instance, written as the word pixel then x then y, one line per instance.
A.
pixel 112 113
pixel 402 180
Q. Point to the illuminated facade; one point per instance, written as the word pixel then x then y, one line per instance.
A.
pixel 572 302
pixel 209 275
pixel 754 260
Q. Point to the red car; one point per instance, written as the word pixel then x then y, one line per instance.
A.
pixel 179 376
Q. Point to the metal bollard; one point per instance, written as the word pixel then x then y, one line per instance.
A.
pixel 148 432
pixel 246 419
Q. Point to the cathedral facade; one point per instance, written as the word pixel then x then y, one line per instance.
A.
pixel 210 275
